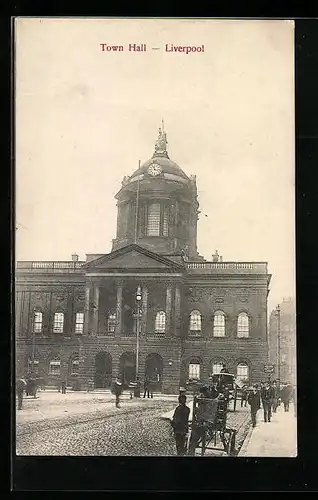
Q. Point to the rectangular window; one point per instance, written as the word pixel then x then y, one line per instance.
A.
pixel 58 325
pixel 111 322
pixel 55 368
pixel 33 367
pixel 165 225
pixel 79 322
pixel 37 328
pixel 153 223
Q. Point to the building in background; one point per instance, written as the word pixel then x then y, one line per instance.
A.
pixel 79 319
pixel 282 339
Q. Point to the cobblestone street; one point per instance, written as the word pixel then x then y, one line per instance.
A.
pixel 89 424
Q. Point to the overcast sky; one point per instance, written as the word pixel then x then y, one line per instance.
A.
pixel 85 117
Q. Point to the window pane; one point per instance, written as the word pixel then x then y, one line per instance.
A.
pixel 79 322
pixel 165 226
pixel 194 371
pixel 75 366
pixel 153 225
pixel 217 367
pixel 160 324
pixel 219 324
pixel 58 323
pixel 242 325
pixel 195 321
pixel 55 367
pixel 37 322
pixel 242 371
pixel 111 322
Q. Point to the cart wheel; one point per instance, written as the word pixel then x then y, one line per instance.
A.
pixel 232 444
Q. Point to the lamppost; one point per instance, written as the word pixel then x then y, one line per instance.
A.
pixel 278 342
pixel 138 301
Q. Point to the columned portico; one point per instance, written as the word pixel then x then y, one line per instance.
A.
pixel 95 307
pixel 119 305
pixel 168 309
pixel 177 310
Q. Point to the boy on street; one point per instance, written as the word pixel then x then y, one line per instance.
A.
pixel 254 401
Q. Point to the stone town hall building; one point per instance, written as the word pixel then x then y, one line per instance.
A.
pixel 79 319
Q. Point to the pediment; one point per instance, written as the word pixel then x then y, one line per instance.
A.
pixel 133 257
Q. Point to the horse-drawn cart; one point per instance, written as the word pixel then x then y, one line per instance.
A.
pixel 209 430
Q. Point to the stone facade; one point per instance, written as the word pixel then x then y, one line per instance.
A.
pixel 80 320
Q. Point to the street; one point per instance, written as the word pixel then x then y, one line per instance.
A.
pixel 79 423
pixel 133 429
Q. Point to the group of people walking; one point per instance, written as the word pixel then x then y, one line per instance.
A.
pixel 118 387
pixel 269 394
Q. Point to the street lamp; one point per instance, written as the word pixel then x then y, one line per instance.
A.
pixel 278 342
pixel 138 301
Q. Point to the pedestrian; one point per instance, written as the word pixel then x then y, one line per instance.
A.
pixel 285 395
pixel 267 398
pixel 244 396
pixel 224 369
pixel 180 421
pixel 275 396
pixel 21 385
pixel 63 386
pixel 146 387
pixel 254 401
pixel 117 390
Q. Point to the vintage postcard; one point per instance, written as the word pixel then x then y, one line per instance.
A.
pixel 155 237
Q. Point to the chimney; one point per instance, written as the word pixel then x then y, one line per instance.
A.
pixel 215 256
pixel 74 257
pixel 221 258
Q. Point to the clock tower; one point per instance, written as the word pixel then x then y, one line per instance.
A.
pixel 158 207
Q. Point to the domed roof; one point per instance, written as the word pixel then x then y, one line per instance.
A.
pixel 161 158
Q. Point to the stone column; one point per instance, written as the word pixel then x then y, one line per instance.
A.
pixel 119 308
pixel 168 308
pixel 144 322
pixel 95 314
pixel 87 310
pixel 177 311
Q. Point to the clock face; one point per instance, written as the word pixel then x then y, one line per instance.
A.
pixel 154 169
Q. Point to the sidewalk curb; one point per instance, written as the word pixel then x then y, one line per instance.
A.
pixel 245 444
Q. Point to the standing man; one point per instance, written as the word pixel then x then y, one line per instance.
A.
pixel 179 423
pixel 267 398
pixel 117 390
pixel 21 385
pixel 146 386
pixel 254 401
pixel 63 386
pixel 275 396
pixel 285 395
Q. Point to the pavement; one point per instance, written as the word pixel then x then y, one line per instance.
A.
pixel 277 438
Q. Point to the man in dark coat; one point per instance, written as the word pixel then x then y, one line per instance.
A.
pixel 254 401
pixel 147 387
pixel 63 386
pixel 275 396
pixel 117 390
pixel 180 421
pixel 267 398
pixel 285 395
pixel 244 395
pixel 21 385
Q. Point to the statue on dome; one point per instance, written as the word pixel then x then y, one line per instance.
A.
pixel 161 142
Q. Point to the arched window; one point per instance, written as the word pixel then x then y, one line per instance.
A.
pixel 217 367
pixel 55 367
pixel 33 367
pixel 58 325
pixel 37 322
pixel 219 324
pixel 74 365
pixel 242 371
pixel 79 322
pixel 195 321
pixel 160 323
pixel 111 322
pixel 194 369
pixel 242 325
